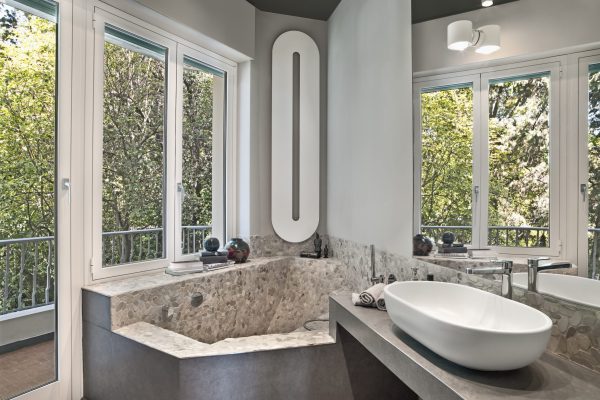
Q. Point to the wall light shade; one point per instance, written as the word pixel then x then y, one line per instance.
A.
pixel 487 3
pixel 460 35
pixel 489 40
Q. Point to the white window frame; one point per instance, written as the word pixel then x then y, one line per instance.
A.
pixel 222 157
pixel 418 88
pixel 583 62
pixel 101 14
pixel 480 79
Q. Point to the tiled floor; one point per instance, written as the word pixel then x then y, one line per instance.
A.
pixel 26 368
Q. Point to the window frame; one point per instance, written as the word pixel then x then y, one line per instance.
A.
pixel 480 80
pixel 439 84
pixel 100 15
pixel 582 62
pixel 222 157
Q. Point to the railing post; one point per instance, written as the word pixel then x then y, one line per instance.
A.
pixel 21 273
pixel 6 281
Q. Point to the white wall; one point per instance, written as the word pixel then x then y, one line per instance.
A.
pixel 528 27
pixel 230 22
pixel 268 27
pixel 369 158
pixel 22 325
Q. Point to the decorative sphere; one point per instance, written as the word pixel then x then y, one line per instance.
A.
pixel 448 238
pixel 212 244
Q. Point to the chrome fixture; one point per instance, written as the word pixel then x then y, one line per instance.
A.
pixel 533 267
pixel 503 267
pixel 415 272
pixel 374 278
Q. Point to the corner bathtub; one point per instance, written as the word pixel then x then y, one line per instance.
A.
pixel 256 311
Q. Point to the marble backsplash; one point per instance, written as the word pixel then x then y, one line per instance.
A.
pixel 575 330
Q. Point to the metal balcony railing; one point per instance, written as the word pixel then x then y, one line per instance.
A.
pixel 502 236
pixel 27 273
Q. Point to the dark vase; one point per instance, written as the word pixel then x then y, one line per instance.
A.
pixel 237 250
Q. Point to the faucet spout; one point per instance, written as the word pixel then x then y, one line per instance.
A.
pixel 503 267
pixel 534 265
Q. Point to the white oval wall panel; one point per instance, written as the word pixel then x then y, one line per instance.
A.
pixel 295 115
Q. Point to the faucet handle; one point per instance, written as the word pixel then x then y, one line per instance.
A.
pixel 535 261
pixel 507 265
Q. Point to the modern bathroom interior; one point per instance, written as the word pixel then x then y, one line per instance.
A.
pixel 299 199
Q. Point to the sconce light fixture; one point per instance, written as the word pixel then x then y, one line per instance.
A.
pixel 487 3
pixel 485 40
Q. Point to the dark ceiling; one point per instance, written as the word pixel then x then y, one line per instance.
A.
pixel 422 10
pixel 425 10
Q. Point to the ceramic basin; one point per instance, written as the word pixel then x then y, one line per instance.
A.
pixel 572 288
pixel 468 326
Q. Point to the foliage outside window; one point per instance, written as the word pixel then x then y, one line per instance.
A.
pixel 517 204
pixel 28 51
pixel 447 161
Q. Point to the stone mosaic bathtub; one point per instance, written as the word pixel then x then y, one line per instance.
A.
pixel 260 305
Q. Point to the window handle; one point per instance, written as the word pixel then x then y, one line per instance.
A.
pixel 476 192
pixel 583 190
pixel 66 185
pixel 181 190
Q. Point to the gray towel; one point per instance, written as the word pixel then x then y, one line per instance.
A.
pixel 370 296
pixel 380 303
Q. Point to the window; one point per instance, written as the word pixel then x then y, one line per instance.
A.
pixel 519 161
pixel 201 161
pixel 447 161
pixel 161 123
pixel 133 136
pixel 488 165
pixel 589 226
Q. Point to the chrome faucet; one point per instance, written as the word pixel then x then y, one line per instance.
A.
pixel 374 278
pixel 503 267
pixel 533 267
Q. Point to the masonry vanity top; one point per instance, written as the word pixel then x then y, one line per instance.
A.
pixel 432 377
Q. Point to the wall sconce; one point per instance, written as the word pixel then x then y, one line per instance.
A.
pixel 485 40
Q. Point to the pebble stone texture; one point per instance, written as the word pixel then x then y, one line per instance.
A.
pixel 267 296
pixel 575 330
pixel 276 295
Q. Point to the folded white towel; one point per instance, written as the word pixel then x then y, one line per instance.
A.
pixel 380 303
pixel 370 296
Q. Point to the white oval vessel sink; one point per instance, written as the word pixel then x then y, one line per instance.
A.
pixel 468 326
pixel 572 288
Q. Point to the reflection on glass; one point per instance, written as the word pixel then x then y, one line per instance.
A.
pixel 447 163
pixel 203 102
pixel 519 148
pixel 133 157
pixel 594 170
pixel 27 199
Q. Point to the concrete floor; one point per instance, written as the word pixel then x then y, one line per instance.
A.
pixel 27 368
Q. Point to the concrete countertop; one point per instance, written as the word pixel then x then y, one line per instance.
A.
pixel 433 377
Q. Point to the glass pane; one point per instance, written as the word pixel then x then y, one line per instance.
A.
pixel 27 198
pixel 134 149
pixel 519 150
pixel 594 169
pixel 447 165
pixel 203 104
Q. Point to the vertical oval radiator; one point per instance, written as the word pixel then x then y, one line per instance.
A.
pixel 295 136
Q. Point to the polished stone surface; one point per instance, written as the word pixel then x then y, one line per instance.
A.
pixel 432 377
